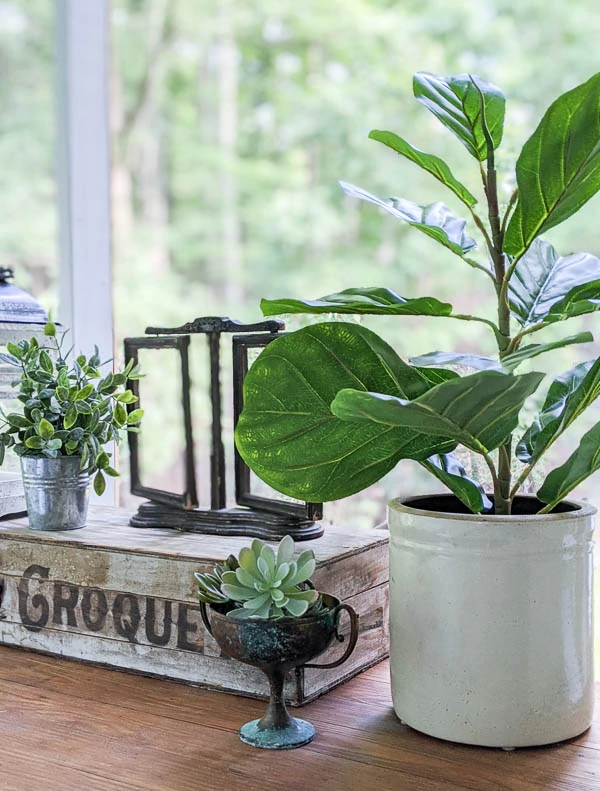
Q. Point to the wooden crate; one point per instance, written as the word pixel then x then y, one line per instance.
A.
pixel 126 597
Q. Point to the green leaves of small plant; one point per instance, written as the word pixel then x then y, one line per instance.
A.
pixel 435 220
pixel 458 103
pixel 432 164
pixel 64 413
pixel 558 170
pixel 379 301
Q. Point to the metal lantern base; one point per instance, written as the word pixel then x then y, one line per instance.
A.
pixel 226 522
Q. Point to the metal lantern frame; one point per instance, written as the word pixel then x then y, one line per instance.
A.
pixel 253 515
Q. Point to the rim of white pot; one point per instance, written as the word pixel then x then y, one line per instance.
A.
pixel 573 509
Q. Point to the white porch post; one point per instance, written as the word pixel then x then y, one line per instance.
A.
pixel 85 281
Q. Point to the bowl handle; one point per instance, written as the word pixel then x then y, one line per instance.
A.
pixel 205 618
pixel 340 637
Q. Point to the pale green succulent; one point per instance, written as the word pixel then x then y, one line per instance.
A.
pixel 262 582
pixel 267 582
pixel 209 583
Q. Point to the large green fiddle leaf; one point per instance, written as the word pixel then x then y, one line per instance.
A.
pixel 568 396
pixel 452 474
pixel 435 220
pixel 360 301
pixel 432 164
pixel 287 432
pixel 479 411
pixel 546 286
pixel 584 461
pixel 457 102
pixel 558 169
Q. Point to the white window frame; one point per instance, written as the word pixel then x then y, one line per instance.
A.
pixel 83 178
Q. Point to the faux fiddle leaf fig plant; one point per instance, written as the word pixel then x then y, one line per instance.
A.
pixel 331 408
pixel 69 408
pixel 262 582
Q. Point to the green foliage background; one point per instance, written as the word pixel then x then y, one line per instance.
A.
pixel 232 123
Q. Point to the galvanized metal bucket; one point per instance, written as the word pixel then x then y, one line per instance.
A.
pixel 56 492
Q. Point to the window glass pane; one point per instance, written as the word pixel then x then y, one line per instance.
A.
pixel 28 233
pixel 233 123
pixel 27 127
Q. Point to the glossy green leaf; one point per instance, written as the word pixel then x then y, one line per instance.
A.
pixel 580 299
pixel 584 461
pixel 14 350
pixel 287 433
pixel 9 359
pixel 127 397
pixel 34 443
pixel 84 393
pixel 568 396
pixel 120 415
pixel 70 417
pixel 46 362
pixel 99 483
pixel 479 411
pixel 542 279
pixel 379 301
pixel 18 421
pixel 479 362
pixel 45 429
pixel 457 103
pixel 135 416
pixel 512 361
pixel 436 220
pixel 558 170
pixel 432 164
pixel 452 474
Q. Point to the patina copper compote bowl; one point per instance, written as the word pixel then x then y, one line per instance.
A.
pixel 277 646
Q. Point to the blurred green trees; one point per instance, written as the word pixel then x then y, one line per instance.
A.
pixel 233 121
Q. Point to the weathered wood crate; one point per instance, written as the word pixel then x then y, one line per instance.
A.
pixel 126 597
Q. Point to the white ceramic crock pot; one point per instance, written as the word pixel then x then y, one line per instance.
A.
pixel 491 639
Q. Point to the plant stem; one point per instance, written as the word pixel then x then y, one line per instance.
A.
pixel 502 499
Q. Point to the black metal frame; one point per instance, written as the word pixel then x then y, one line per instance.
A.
pixel 241 344
pixel 189 498
pixel 256 515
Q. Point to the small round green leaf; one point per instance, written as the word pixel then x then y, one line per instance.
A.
pixel 99 483
pixel 45 429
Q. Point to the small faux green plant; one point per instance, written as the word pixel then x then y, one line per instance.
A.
pixel 330 409
pixel 262 582
pixel 69 408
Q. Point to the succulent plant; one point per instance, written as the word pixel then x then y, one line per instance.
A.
pixel 209 583
pixel 265 583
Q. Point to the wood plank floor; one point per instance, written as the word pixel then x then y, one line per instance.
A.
pixel 66 726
